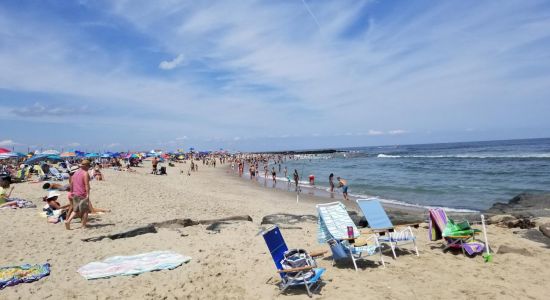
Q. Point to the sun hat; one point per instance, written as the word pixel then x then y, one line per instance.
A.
pixel 73 169
pixel 52 194
pixel 85 163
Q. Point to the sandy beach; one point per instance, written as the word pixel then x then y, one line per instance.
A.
pixel 233 262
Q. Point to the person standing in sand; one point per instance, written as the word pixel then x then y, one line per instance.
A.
pixel 274 175
pixel 342 183
pixel 296 178
pixel 80 191
pixel 154 162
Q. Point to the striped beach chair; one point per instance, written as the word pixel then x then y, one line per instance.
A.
pixel 333 223
pixel 381 224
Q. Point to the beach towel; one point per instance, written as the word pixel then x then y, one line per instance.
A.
pixel 133 265
pixel 25 273
pixel 333 223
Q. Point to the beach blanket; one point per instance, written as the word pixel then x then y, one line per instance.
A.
pixel 133 265
pixel 20 203
pixel 25 273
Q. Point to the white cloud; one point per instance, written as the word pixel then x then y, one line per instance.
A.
pixel 6 143
pixel 171 64
pixel 397 131
pixel 375 132
pixel 182 138
pixel 73 144
pixel 40 110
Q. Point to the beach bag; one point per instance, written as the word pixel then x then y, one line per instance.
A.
pixel 297 258
pixel 338 250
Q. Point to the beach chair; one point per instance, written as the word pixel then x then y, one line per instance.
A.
pixel 333 222
pixel 381 225
pixel 290 277
pixel 457 235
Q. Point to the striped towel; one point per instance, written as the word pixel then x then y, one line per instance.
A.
pixel 333 222
pixel 133 265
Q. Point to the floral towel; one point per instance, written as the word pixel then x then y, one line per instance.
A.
pixel 26 273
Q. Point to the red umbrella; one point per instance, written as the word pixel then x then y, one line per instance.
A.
pixel 4 150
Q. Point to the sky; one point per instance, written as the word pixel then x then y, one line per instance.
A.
pixel 271 75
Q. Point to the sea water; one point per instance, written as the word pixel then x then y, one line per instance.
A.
pixel 460 176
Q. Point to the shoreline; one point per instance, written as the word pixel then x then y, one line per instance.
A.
pixel 400 213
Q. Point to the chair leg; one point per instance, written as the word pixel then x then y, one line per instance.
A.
pixel 353 259
pixel 382 258
pixel 307 289
pixel 392 246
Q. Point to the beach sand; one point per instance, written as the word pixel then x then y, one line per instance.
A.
pixel 234 263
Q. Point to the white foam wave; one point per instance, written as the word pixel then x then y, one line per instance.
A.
pixel 527 155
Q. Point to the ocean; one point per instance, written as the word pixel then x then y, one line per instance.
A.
pixel 458 176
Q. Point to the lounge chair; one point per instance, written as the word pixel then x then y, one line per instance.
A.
pixel 381 224
pixel 333 224
pixel 457 235
pixel 290 277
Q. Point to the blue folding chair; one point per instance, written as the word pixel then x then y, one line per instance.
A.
pixel 381 224
pixel 289 277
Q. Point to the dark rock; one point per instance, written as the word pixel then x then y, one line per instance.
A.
pixel 545 229
pixel 504 249
pixel 287 219
pixel 536 236
pixel 126 234
pixel 524 205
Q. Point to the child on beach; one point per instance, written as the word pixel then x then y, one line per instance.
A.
pixel 5 195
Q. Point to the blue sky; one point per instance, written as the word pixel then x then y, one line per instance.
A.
pixel 266 75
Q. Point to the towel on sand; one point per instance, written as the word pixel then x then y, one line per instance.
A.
pixel 133 265
pixel 25 273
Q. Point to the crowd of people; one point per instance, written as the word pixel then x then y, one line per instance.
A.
pixel 256 162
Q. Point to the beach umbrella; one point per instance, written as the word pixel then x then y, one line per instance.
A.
pixel 91 155
pixel 4 150
pixel 41 157
pixel 8 155
pixel 51 152
pixel 67 154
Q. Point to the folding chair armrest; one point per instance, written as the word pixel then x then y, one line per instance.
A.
pixel 318 253
pixel 294 270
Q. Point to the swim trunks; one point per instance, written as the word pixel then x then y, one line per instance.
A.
pixel 81 204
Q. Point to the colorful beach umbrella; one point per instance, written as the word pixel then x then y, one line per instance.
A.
pixel 4 150
pixel 67 154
